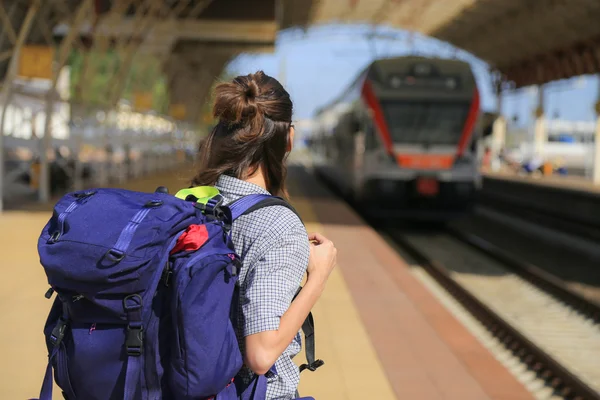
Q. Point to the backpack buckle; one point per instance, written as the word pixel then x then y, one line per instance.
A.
pixel 58 333
pixel 134 342
pixel 213 206
pixel 134 338
pixel 114 255
pixel 49 293
pixel 54 237
pixel 312 366
pixel 83 195
pixel 153 203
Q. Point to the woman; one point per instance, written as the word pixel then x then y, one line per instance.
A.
pixel 245 154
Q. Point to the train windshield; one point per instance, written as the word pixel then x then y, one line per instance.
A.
pixel 425 122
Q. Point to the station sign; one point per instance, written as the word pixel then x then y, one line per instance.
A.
pixel 36 62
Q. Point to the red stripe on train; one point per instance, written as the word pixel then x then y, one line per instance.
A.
pixel 382 128
pixel 469 123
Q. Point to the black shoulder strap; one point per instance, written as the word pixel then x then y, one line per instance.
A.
pixel 308 327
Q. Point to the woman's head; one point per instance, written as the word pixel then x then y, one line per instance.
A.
pixel 253 133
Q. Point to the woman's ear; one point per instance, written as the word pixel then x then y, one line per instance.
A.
pixel 291 139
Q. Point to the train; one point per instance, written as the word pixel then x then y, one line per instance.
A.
pixel 403 138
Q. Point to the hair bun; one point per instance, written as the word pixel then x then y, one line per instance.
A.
pixel 235 102
pixel 252 90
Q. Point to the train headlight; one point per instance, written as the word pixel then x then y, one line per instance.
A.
pixel 451 83
pixel 396 82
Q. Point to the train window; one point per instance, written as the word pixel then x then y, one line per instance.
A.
pixel 432 122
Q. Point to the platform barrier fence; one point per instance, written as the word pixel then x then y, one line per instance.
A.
pixel 104 149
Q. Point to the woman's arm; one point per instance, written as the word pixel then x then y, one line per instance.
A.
pixel 264 348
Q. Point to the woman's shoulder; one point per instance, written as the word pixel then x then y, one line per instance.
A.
pixel 275 230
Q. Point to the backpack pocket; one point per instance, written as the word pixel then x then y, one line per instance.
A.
pixel 83 349
pixel 205 355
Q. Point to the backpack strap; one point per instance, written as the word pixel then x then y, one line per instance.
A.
pixel 134 344
pixel 308 327
pixel 56 338
pixel 250 203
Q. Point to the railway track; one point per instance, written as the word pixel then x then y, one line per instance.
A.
pixel 582 228
pixel 551 329
pixel 533 274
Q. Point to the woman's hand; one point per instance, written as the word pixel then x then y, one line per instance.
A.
pixel 323 257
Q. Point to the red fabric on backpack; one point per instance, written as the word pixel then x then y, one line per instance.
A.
pixel 192 239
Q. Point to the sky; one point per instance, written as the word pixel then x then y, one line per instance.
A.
pixel 316 65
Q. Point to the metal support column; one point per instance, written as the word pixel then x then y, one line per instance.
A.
pixel 539 132
pixel 498 131
pixel 6 93
pixel 63 53
pixel 596 171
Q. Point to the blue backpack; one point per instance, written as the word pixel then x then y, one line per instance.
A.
pixel 135 317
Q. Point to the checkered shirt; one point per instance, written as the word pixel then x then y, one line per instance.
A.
pixel 274 248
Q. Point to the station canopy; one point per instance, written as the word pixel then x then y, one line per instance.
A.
pixel 528 41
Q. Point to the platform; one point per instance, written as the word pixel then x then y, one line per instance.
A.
pixel 567 182
pixel 381 333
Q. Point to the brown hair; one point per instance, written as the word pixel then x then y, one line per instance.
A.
pixel 255 115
